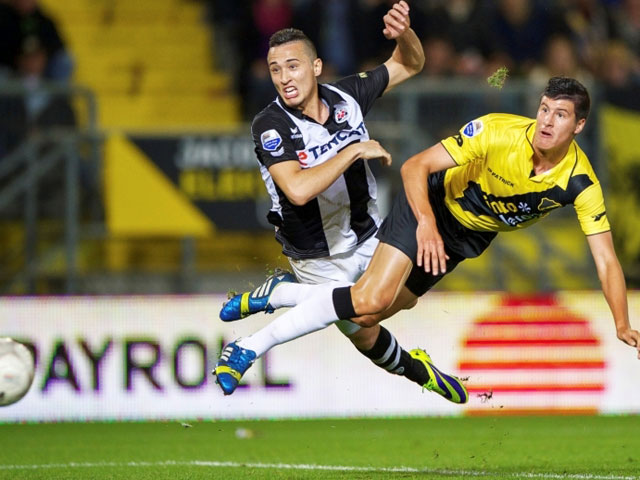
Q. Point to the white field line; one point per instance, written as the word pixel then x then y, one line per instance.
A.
pixel 336 468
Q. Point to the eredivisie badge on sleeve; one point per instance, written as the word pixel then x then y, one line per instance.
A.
pixel 473 128
pixel 272 142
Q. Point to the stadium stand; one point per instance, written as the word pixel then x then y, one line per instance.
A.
pixel 149 62
pixel 155 74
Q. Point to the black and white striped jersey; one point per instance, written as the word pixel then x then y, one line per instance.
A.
pixel 345 214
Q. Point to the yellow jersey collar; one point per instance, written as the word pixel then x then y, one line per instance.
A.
pixel 561 173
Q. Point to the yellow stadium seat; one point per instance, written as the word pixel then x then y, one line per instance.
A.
pixel 149 63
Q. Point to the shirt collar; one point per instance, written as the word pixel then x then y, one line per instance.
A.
pixel 561 173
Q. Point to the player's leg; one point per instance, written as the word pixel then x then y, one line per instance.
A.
pixel 416 364
pixel 379 345
pixel 376 342
pixel 315 313
pixel 320 311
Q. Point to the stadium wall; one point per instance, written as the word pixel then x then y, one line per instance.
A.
pixel 150 357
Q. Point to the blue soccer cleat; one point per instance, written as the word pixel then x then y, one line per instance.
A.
pixel 448 386
pixel 248 303
pixel 232 364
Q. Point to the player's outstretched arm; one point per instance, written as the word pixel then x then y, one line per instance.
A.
pixel 415 171
pixel 407 58
pixel 613 286
pixel 301 185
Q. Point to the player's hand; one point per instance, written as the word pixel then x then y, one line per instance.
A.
pixel 431 253
pixel 396 21
pixel 372 149
pixel 630 337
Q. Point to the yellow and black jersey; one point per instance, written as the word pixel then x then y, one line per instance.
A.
pixel 493 188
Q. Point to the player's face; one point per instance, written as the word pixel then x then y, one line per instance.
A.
pixel 556 124
pixel 293 73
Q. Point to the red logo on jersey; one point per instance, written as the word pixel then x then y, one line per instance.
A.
pixel 302 156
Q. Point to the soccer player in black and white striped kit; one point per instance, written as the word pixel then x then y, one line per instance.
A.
pixel 313 147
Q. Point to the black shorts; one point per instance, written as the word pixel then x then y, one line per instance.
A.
pixel 399 230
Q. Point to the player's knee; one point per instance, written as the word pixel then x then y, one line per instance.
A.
pixel 368 303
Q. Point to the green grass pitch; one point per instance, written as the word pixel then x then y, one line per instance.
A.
pixel 575 447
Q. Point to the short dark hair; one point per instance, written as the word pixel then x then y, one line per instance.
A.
pixel 569 89
pixel 287 35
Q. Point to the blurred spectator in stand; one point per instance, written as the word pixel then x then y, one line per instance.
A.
pixel 460 25
pixel 34 111
pixel 22 19
pixel 42 110
pixel 269 16
pixel 263 18
pixel 626 24
pixel 455 45
pixel 589 22
pixel 620 74
pixel 442 57
pixel 228 19
pixel 520 30
pixel 560 60
pixel 37 109
pixel 334 26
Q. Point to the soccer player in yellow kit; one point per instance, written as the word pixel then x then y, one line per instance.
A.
pixel 501 172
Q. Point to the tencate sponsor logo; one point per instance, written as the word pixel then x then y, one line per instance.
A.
pixel 339 139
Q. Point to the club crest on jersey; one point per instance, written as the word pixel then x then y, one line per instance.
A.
pixel 341 113
pixel 271 140
pixel 548 204
pixel 473 128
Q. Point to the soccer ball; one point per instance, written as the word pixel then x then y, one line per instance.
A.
pixel 16 371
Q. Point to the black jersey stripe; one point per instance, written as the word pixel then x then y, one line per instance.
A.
pixel 304 236
pixel 358 189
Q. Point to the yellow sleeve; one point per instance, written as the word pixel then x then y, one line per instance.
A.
pixel 590 209
pixel 471 143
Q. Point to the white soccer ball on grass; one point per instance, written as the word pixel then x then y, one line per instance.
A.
pixel 16 371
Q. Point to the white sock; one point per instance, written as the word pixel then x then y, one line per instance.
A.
pixel 289 294
pixel 313 314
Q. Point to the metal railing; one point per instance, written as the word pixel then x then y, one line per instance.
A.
pixel 40 179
